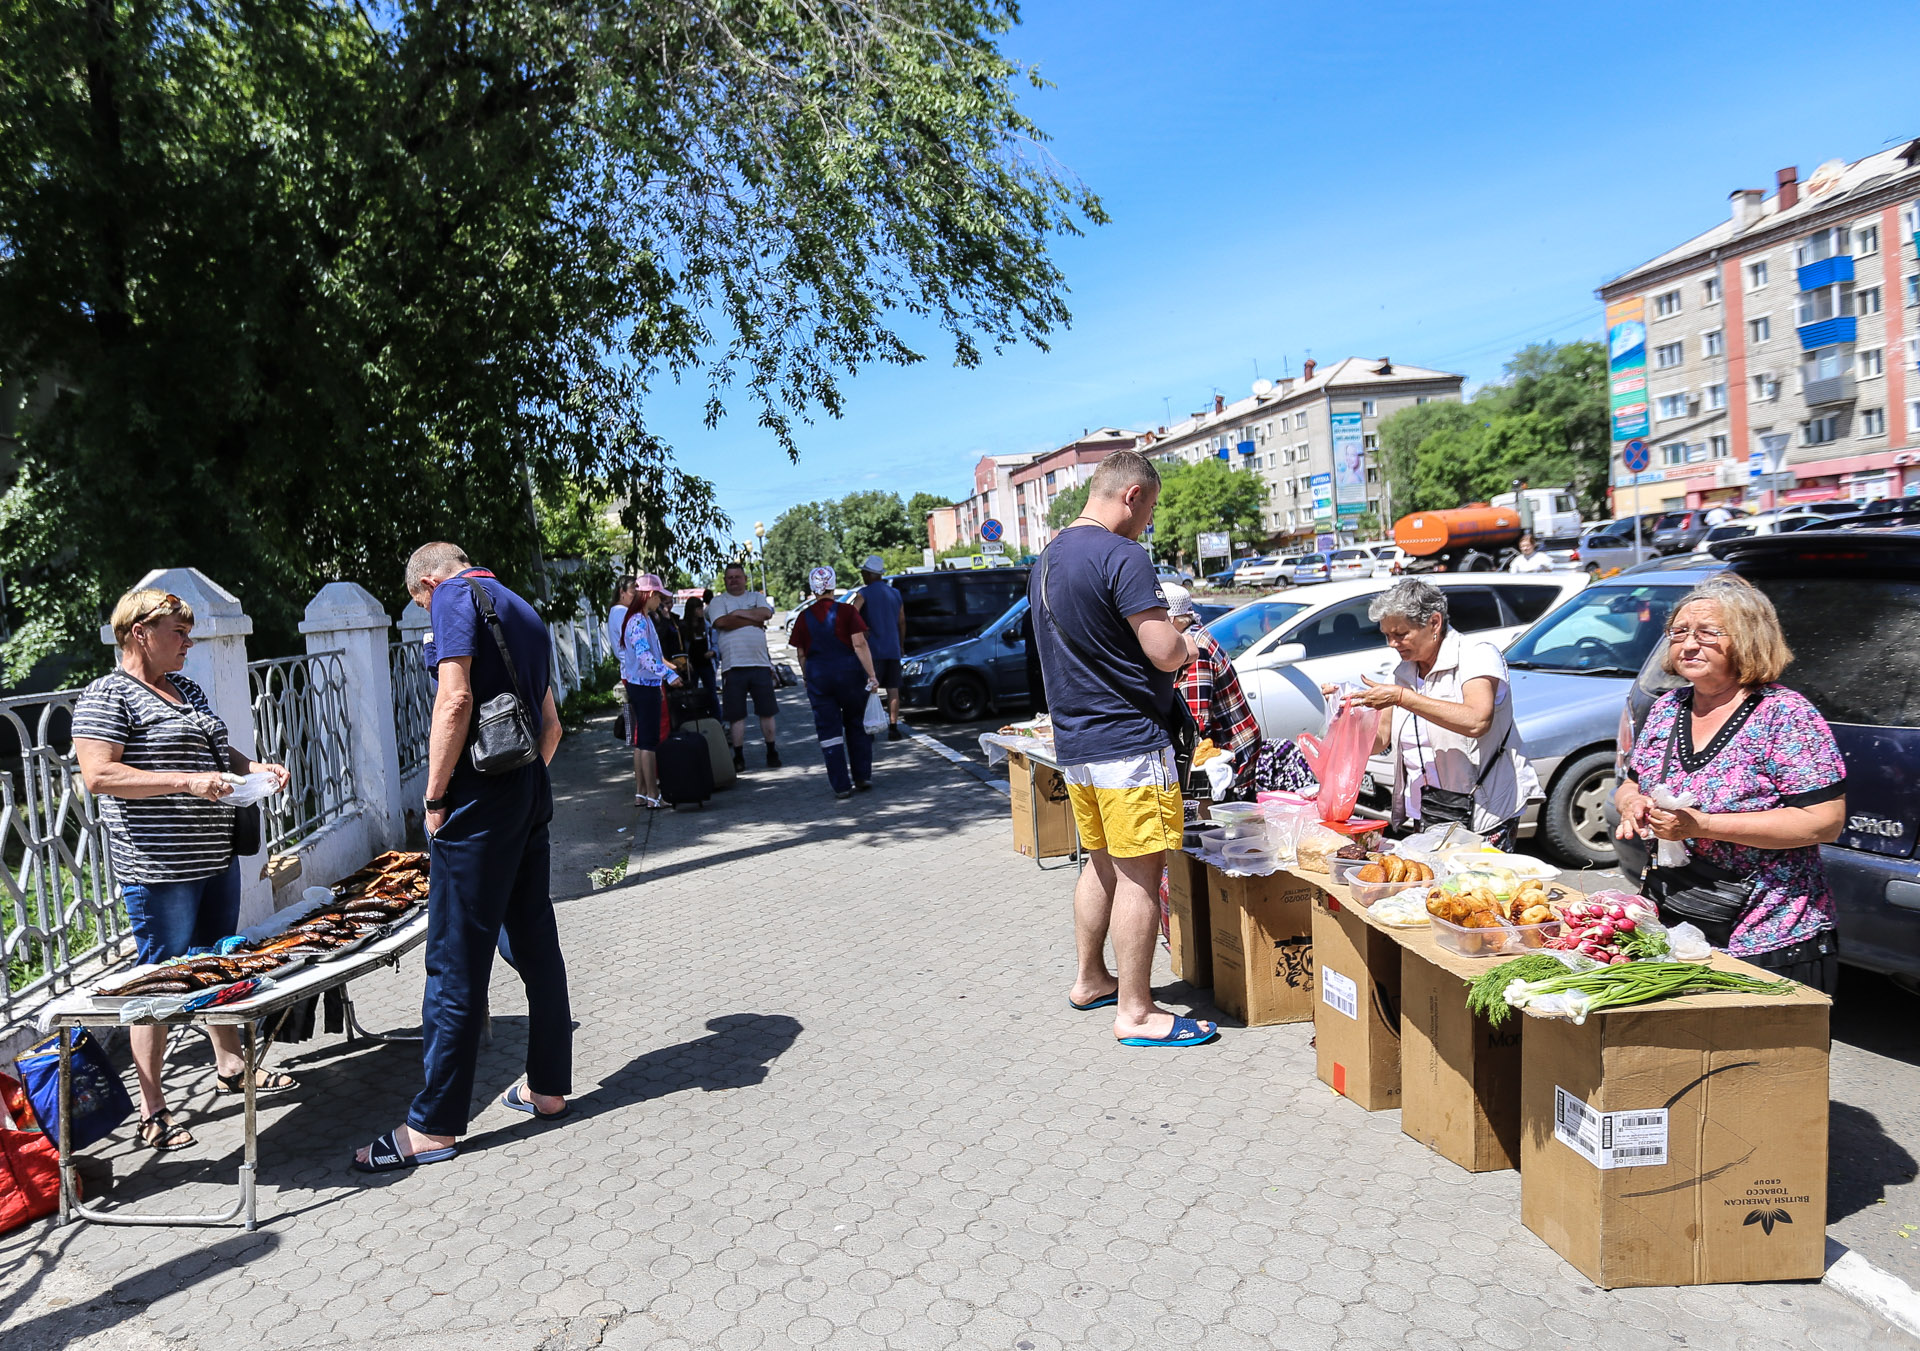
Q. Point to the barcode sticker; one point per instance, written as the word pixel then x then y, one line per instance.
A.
pixel 1340 992
pixel 1635 1139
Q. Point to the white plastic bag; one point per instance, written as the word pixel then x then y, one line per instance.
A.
pixel 250 788
pixel 876 719
pixel 1671 853
pixel 1219 772
pixel 1686 943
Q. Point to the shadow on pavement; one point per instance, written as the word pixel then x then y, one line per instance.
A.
pixel 129 1296
pixel 1863 1161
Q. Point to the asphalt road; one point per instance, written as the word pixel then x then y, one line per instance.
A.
pixel 1874 1198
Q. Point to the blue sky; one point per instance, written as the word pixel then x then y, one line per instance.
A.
pixel 1439 184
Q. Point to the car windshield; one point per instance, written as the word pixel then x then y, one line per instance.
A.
pixel 1673 520
pixel 1240 629
pixel 1313 560
pixel 1605 630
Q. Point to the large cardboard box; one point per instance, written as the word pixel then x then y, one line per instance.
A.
pixel 1262 947
pixel 1042 819
pixel 1680 1143
pixel 1459 1076
pixel 1356 1020
pixel 1189 919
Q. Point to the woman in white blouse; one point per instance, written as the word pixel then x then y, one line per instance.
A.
pixel 1457 754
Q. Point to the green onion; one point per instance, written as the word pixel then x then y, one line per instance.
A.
pixel 1486 994
pixel 1639 983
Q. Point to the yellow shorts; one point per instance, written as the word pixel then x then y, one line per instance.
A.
pixel 1127 807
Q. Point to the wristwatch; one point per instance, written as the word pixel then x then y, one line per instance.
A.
pixel 436 804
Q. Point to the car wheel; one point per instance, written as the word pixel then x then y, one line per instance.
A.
pixel 961 698
pixel 1574 819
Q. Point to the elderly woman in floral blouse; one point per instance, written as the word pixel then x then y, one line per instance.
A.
pixel 1768 777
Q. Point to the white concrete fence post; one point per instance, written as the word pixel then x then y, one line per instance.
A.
pixel 346 619
pixel 217 663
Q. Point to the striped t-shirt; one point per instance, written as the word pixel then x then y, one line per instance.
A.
pixel 178 837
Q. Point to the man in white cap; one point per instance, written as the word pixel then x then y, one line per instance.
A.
pixel 831 641
pixel 884 609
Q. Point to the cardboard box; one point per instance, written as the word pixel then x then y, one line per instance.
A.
pixel 1042 819
pixel 1459 1077
pixel 1680 1143
pixel 1262 930
pixel 1356 1020
pixel 1189 919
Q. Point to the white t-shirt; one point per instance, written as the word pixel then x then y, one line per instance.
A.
pixel 1538 561
pixel 1433 755
pixel 746 645
pixel 1719 516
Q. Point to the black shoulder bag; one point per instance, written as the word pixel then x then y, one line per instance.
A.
pixel 1698 892
pixel 500 739
pixel 1445 806
pixel 1177 722
pixel 249 835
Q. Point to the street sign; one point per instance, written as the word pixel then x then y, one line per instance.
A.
pixel 992 548
pixel 979 560
pixel 1213 544
pixel 990 530
pixel 1636 455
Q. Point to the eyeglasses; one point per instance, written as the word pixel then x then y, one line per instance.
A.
pixel 1707 637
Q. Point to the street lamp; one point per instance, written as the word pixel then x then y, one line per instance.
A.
pixel 760 549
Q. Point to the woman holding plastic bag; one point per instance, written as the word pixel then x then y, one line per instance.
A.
pixel 1740 780
pixel 1457 755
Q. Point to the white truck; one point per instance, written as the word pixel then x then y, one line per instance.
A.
pixel 1544 511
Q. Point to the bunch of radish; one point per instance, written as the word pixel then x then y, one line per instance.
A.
pixel 1611 928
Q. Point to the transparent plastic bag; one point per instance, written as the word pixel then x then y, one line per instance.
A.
pixel 250 788
pixel 1339 760
pixel 875 721
pixel 1671 853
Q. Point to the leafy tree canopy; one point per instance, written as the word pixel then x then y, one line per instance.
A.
pixel 1069 504
pixel 1205 495
pixel 921 503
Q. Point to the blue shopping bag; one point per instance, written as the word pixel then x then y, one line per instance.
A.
pixel 100 1100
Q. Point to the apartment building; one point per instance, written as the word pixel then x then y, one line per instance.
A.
pixel 1313 440
pixel 1780 347
pixel 1051 474
pixel 992 499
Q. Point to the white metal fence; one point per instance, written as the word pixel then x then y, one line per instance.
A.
pixel 412 704
pixel 300 721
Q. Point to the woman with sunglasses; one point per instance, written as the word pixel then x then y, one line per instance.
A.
pixel 1767 775
pixel 153 751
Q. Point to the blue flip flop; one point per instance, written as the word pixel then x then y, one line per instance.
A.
pixel 1185 1032
pixel 1103 1002
pixel 519 1103
pixel 385 1157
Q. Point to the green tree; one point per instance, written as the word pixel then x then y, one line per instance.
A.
pixel 921 503
pixel 1205 495
pixel 797 543
pixel 316 284
pixel 1068 505
pixel 871 523
pixel 1424 479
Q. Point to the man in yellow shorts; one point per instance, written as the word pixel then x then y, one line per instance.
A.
pixel 1108 654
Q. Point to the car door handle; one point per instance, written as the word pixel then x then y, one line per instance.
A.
pixel 1906 895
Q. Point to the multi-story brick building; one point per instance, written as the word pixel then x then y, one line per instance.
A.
pixel 1046 478
pixel 1781 342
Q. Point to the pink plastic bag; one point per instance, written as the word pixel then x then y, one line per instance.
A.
pixel 1340 760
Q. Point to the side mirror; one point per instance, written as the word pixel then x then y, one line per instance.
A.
pixel 1010 636
pixel 1284 655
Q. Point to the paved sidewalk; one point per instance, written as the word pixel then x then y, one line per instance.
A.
pixel 831 1094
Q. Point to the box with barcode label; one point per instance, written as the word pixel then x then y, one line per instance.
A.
pixel 1680 1143
pixel 1356 1021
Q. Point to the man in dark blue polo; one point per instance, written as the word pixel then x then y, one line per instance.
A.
pixel 490 859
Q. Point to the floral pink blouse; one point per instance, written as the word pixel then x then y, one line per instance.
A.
pixel 1775 751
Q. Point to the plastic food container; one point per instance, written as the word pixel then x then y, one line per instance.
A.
pixel 1522 867
pixel 1250 856
pixel 1506 941
pixel 1344 867
pixel 1366 893
pixel 1231 812
pixel 1233 831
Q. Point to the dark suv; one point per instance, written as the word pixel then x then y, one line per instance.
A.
pixel 1678 531
pixel 1849 602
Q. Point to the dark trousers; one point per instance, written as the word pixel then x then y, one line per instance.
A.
pixel 839 699
pixel 489 889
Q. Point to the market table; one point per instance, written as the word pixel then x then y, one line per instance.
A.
pixel 1043 826
pixel 79 1010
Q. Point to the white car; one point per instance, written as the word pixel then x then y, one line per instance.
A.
pixel 1343 565
pixel 1286 646
pixel 1388 559
pixel 1264 572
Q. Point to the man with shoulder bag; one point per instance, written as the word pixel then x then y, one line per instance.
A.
pixel 489 802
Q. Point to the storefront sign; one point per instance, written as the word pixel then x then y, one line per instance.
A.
pixel 1627 367
pixel 1322 485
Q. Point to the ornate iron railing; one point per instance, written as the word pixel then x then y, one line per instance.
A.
pixel 412 704
pixel 58 907
pixel 300 721
pixel 579 645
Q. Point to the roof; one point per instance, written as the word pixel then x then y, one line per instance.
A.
pixel 1829 185
pixel 1349 375
pixel 1095 445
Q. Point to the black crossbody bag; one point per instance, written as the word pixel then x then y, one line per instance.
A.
pixel 500 739
pixel 1698 892
pixel 249 833
pixel 1447 806
pixel 1182 731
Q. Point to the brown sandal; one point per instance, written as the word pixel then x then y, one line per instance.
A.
pixel 157 1132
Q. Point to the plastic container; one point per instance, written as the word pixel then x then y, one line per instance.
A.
pixel 1252 856
pixel 1344 867
pixel 1520 865
pixel 1231 812
pixel 1233 831
pixel 1198 834
pixel 1366 893
pixel 1506 941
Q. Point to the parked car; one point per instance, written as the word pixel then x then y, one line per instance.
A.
pixel 1849 616
pixel 1166 572
pixel 1564 550
pixel 966 648
pixel 1345 564
pixel 1736 530
pixel 1678 531
pixel 1225 576
pixel 1264 571
pixel 1206 612
pixel 1389 560
pixel 1610 548
pixel 1285 648
pixel 1310 568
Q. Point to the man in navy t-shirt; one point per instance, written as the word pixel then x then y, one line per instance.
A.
pixel 490 858
pixel 1108 654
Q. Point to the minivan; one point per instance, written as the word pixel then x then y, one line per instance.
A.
pixel 966 640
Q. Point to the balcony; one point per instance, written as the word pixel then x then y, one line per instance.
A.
pixel 1826 272
pixel 1826 390
pixel 1827 332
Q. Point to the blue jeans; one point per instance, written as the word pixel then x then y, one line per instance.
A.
pixel 171 918
pixel 489 888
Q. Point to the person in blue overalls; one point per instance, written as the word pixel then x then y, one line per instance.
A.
pixel 831 641
pixel 884 609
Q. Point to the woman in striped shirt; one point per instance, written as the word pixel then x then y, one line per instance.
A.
pixel 153 751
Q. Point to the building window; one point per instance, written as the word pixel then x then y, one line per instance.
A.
pixel 1756 275
pixel 1713 344
pixel 1913 417
pixel 1716 396
pixel 1300 420
pixel 1913 288
pixel 1868 363
pixel 1669 354
pixel 1367 408
pixel 1821 245
pixel 1670 406
pixel 1373 474
pixel 1370 441
pixel 1826 302
pixel 1759 330
pixel 1873 422
pixel 1866 241
pixel 1421 398
pixel 1719 447
pixel 1300 452
pixel 1666 303
pixel 1674 452
pixel 1766 387
pixel 1710 291
pixel 1820 431
pixel 1866 300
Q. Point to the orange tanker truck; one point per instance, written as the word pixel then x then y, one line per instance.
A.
pixel 1475 538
